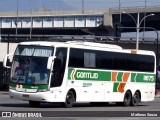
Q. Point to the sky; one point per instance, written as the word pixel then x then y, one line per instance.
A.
pixel 28 5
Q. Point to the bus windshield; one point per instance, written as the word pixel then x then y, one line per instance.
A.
pixel 30 65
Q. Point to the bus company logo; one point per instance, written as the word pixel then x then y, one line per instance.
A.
pixel 19 86
pixel 72 74
pixel 148 78
pixel 89 75
pixel 75 74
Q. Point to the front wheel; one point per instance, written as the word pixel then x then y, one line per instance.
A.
pixel 34 103
pixel 70 99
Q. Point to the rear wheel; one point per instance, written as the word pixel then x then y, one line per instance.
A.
pixel 127 99
pixel 34 103
pixel 70 99
pixel 135 99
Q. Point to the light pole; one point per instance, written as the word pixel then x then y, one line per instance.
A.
pixel 138 23
pixel 82 6
pixel 157 43
pixel 16 21
pixel 144 19
pixel 31 20
pixel 120 10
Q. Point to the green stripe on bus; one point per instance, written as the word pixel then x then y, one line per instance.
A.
pixel 69 74
pixel 90 75
pixel 119 76
pixel 30 86
pixel 12 84
pixel 133 75
pixel 115 87
pixel 79 74
pixel 145 78
pixel 35 87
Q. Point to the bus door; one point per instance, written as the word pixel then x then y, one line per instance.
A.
pixel 59 67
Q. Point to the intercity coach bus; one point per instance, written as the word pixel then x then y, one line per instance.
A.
pixel 78 71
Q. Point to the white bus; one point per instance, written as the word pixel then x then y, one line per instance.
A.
pixel 76 71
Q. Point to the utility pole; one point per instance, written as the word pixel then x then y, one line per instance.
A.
pixel 138 23
pixel 144 19
pixel 120 11
pixel 137 37
pixel 31 20
pixel 157 42
pixel 16 21
pixel 82 6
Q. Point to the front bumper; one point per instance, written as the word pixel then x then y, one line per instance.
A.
pixel 37 96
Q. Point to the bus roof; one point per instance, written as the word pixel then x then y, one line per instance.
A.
pixel 72 43
pixel 83 44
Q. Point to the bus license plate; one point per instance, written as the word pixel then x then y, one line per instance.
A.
pixel 25 95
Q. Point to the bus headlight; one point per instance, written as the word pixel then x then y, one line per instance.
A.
pixel 12 88
pixel 42 90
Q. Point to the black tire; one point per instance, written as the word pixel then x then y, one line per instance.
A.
pixel 127 99
pixel 70 99
pixel 135 99
pixel 34 103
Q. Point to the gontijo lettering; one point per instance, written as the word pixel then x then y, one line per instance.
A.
pixel 87 75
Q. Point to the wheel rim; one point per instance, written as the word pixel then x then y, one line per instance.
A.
pixel 69 99
pixel 127 99
pixel 136 98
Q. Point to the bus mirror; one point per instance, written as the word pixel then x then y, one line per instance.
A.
pixel 6 60
pixel 50 62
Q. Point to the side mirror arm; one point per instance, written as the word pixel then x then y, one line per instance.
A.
pixel 5 60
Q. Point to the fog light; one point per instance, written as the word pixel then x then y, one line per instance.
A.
pixel 42 90
pixel 12 88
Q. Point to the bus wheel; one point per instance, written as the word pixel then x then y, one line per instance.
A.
pixel 34 103
pixel 127 99
pixel 135 99
pixel 70 99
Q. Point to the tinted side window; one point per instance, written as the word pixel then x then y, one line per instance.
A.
pixel 76 58
pixel 110 60
pixel 124 61
pixel 82 58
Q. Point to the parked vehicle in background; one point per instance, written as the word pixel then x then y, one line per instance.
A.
pixel 4 77
pixel 157 88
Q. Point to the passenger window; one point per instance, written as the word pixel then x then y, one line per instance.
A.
pixel 89 60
